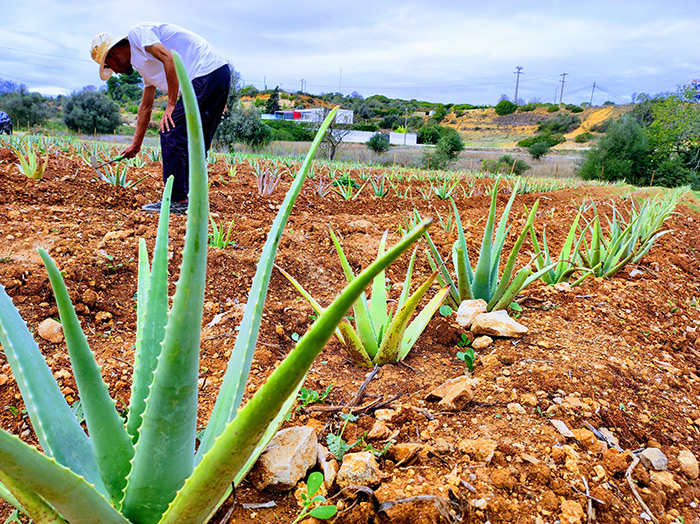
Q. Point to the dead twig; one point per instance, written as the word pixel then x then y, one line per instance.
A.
pixel 628 476
pixel 591 509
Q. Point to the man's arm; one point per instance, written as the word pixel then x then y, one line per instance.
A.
pixel 161 53
pixel 142 119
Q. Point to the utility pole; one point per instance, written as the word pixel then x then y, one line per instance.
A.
pixel 563 79
pixel 340 82
pixel 302 85
pixel 592 91
pixel 265 82
pixel 518 71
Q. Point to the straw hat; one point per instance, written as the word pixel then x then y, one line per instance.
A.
pixel 101 45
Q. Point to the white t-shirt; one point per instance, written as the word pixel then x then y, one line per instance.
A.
pixel 197 54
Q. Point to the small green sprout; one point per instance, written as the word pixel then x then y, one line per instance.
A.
pixel 311 501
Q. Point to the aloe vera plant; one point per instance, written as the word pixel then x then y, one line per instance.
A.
pixel 381 336
pixel 146 471
pixel 563 269
pixel 32 166
pixel 483 281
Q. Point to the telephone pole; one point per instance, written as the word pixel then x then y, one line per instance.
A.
pixel 518 71
pixel 563 79
pixel 592 91
pixel 303 82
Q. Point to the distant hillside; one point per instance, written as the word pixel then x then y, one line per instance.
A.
pixel 478 126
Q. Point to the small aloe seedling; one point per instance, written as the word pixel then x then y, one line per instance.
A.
pixel 314 504
pixel 32 166
pixel 147 471
pixel 484 281
pixel 381 337
pixel 218 238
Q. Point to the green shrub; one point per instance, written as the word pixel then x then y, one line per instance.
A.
pixel 505 107
pixel 505 164
pixel 429 135
pixel 584 137
pixel 538 150
pixel 551 139
pixel 298 131
pixel 91 111
pixel 553 108
pixel 624 153
pixel 379 143
pixel 527 107
pixel 559 124
pixel 573 108
pixel 365 127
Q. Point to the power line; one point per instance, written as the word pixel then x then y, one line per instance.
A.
pixel 45 54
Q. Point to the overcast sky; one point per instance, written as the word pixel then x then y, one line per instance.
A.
pixel 439 51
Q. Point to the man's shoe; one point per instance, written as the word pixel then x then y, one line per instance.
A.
pixel 176 208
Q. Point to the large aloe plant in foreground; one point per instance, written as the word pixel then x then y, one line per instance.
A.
pixel 146 471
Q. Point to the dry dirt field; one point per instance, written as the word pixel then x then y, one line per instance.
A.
pixel 621 354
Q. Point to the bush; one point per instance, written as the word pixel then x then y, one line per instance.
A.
pixel 538 150
pixel 624 153
pixel 429 135
pixel 505 164
pixel 292 131
pixel 573 108
pixel 505 107
pixel 243 126
pixel 24 108
pixel 91 111
pixel 672 173
pixel 553 108
pixel 365 127
pixel 527 107
pixel 379 143
pixel 584 137
pixel 559 124
pixel 551 139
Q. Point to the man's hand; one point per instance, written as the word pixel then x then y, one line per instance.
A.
pixel 131 151
pixel 166 122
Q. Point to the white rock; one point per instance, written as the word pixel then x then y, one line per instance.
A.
pixel 328 465
pixel 468 309
pixel 497 323
pixel 654 458
pixel 359 469
pixel 516 408
pixel 689 464
pixel 482 342
pixel 51 330
pixel 286 459
pixel 453 395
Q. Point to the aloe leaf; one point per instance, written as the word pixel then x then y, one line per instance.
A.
pixel 378 306
pixel 366 330
pixel 219 466
pixel 462 243
pixel 32 504
pixel 464 290
pixel 143 277
pixel 510 264
pixel 112 445
pixel 482 273
pixel 75 499
pixel 233 385
pixel 166 444
pixel 54 423
pixel 406 289
pixel 437 264
pixel 503 300
pixel 345 333
pixel 153 306
pixel 391 344
pixel 416 328
pixel 318 309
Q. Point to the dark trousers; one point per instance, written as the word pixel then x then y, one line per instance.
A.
pixel 211 91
